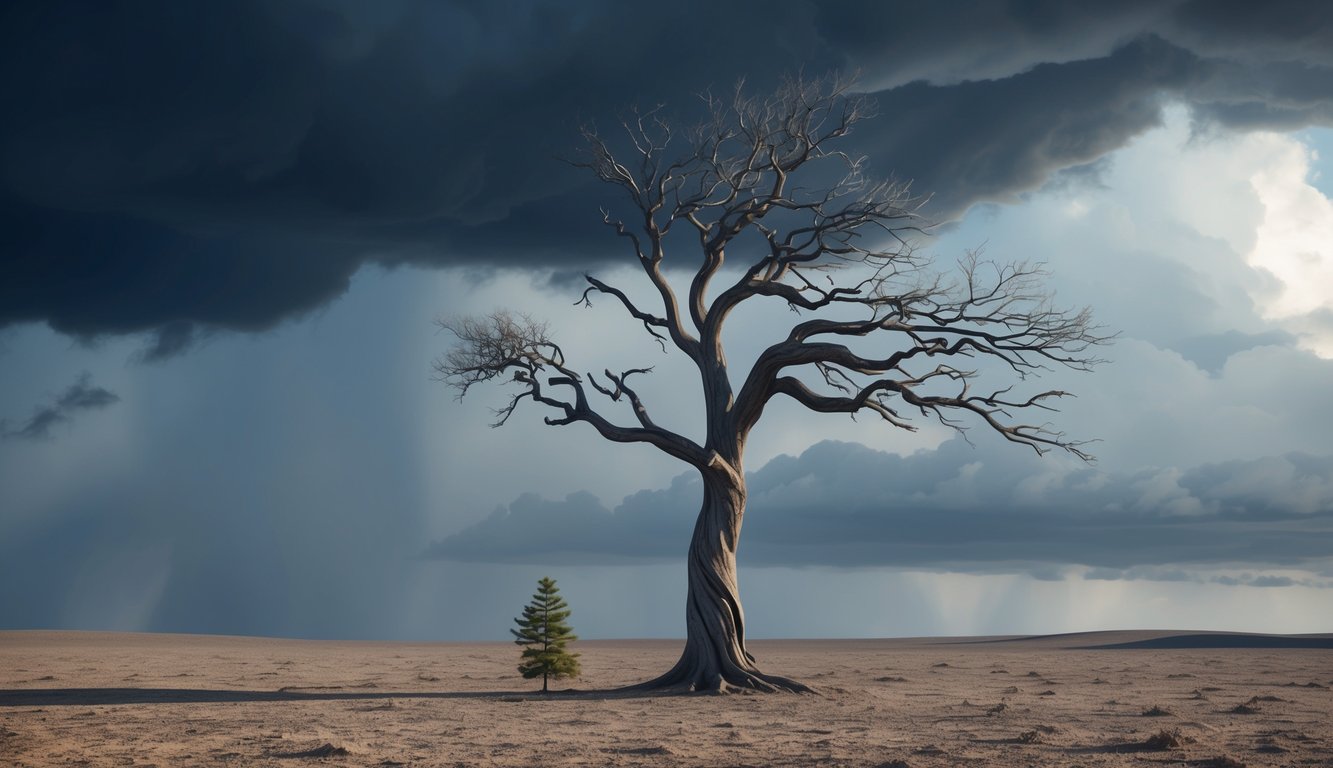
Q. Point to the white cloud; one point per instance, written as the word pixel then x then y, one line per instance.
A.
pixel 1184 234
pixel 1294 241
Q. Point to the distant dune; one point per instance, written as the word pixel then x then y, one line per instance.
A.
pixel 1224 640
pixel 1149 639
pixel 1089 699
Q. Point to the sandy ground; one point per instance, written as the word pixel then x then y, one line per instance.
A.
pixel 122 699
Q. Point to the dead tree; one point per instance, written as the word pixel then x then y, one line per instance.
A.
pixel 840 249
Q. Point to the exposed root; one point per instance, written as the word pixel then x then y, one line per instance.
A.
pixel 689 676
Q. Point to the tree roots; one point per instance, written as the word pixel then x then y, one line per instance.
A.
pixel 694 675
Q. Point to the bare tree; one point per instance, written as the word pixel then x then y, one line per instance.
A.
pixel 734 186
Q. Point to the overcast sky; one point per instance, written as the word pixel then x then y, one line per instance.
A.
pixel 227 229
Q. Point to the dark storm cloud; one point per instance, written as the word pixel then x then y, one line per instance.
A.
pixel 954 508
pixel 79 396
pixel 948 43
pixel 89 274
pixel 990 140
pixel 177 168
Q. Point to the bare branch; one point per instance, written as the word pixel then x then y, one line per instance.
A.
pixel 650 322
pixel 648 188
pixel 623 389
pixel 995 311
pixel 516 349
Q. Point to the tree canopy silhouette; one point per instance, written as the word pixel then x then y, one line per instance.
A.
pixel 762 180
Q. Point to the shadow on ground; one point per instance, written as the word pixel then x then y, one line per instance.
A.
pixel 69 697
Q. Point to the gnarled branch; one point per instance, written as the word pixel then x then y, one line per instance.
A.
pixel 996 311
pixel 650 322
pixel 504 345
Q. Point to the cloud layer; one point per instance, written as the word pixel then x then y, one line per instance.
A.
pixel 953 508
pixel 175 169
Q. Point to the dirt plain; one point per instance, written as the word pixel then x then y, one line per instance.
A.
pixel 1091 699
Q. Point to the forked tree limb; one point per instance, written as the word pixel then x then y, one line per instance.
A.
pixel 504 345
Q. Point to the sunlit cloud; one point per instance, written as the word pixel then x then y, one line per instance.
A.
pixel 1294 242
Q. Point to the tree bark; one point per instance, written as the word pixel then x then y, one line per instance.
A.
pixel 715 658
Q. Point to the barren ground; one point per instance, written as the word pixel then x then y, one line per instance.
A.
pixel 70 698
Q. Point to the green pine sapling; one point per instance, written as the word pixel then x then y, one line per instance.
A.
pixel 544 633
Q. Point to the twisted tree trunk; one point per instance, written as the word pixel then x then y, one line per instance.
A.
pixel 715 658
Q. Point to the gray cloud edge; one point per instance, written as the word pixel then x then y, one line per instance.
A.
pixel 954 508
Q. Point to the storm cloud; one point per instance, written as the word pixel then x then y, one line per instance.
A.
pixel 954 508
pixel 82 395
pixel 178 169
